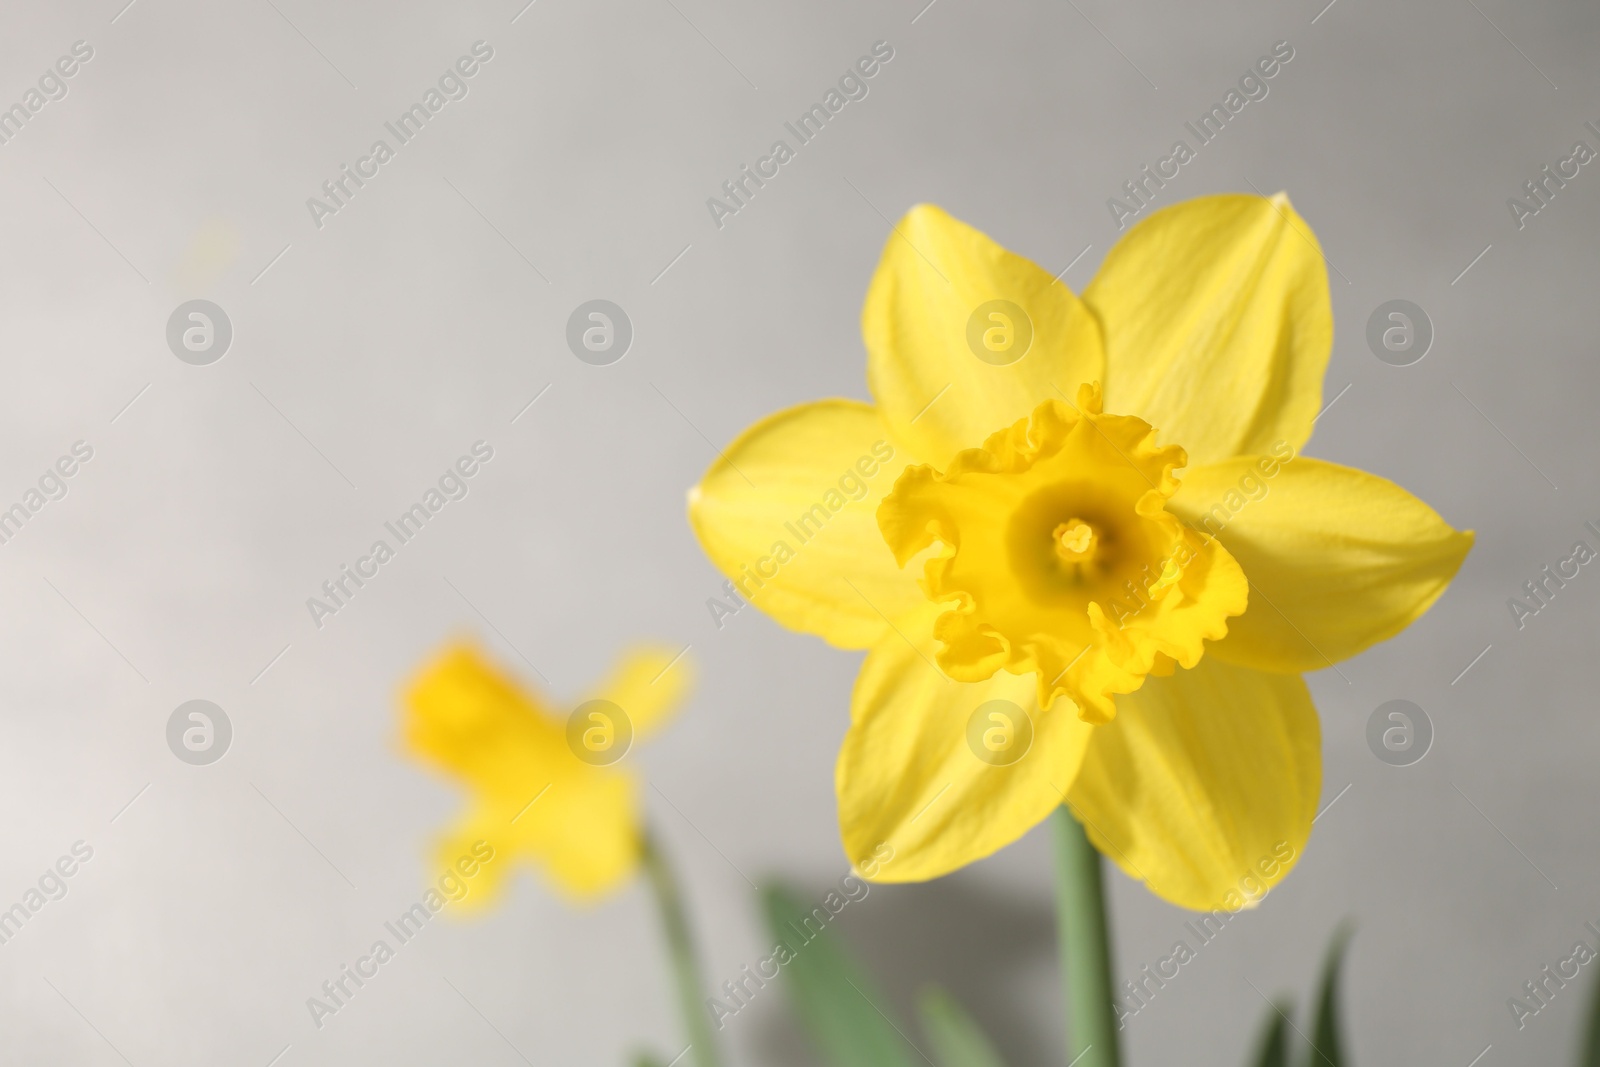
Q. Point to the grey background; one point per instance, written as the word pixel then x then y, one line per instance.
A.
pixel 411 325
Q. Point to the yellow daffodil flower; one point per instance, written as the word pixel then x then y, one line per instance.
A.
pixel 545 788
pixel 1149 630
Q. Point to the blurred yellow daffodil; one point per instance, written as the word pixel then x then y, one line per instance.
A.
pixel 1149 631
pixel 544 786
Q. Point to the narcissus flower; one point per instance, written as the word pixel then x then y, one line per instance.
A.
pixel 544 785
pixel 1149 629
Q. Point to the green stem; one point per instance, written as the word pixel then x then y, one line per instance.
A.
pixel 680 948
pixel 1085 946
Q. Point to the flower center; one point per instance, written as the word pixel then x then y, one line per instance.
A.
pixel 1058 556
pixel 1075 541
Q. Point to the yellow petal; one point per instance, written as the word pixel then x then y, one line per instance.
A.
pixel 928 313
pixel 935 774
pixel 1338 559
pixel 1217 325
pixel 788 516
pixel 1205 784
pixel 584 832
pixel 648 684
pixel 480 843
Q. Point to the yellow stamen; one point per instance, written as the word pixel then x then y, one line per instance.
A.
pixel 1075 541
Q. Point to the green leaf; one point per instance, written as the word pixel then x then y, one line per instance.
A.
pixel 1274 1041
pixel 1591 1043
pixel 838 1004
pixel 647 1059
pixel 956 1038
pixel 1327 1047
